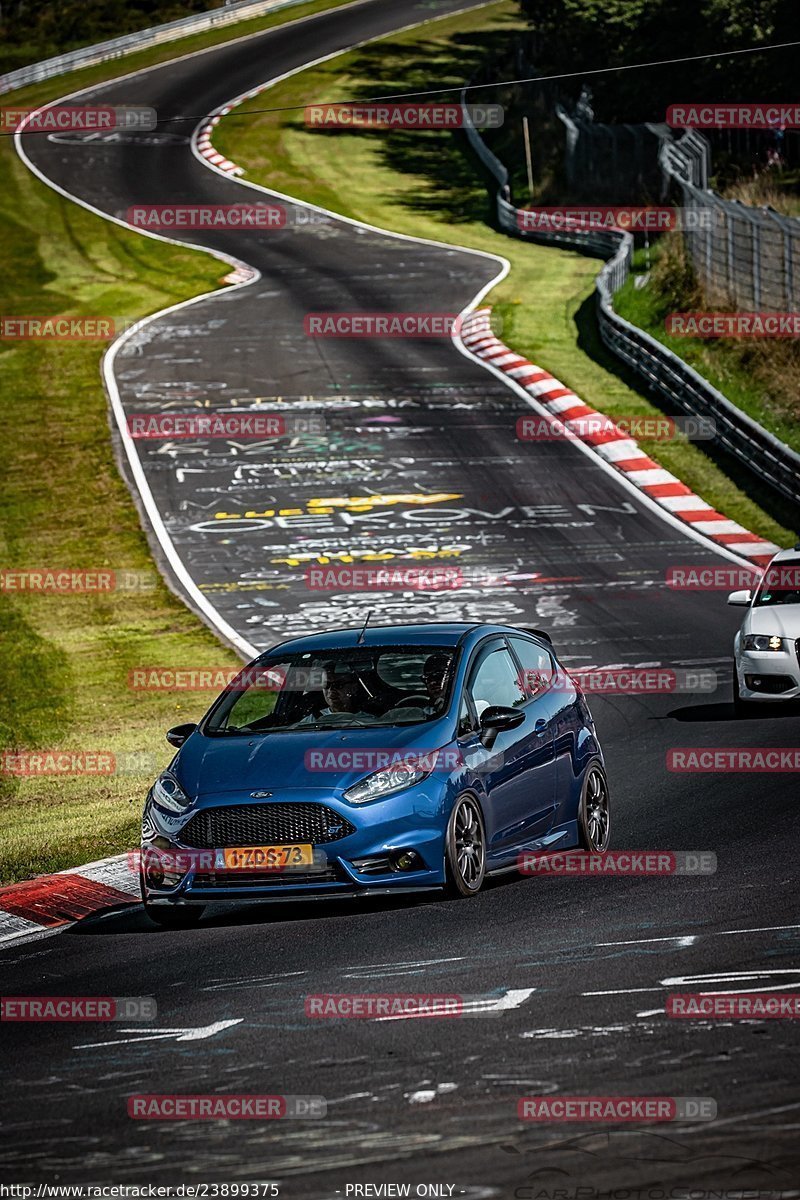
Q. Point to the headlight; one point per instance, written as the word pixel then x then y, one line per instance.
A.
pixel 762 641
pixel 168 793
pixel 386 781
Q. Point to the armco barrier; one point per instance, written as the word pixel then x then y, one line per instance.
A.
pixel 663 372
pixel 117 47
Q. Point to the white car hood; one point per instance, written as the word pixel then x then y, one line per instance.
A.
pixel 783 620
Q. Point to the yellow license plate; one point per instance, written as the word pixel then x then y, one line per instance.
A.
pixel 268 858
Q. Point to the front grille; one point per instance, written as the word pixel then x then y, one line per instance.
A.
pixel 265 825
pixel 251 879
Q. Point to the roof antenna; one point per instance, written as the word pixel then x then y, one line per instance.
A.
pixel 360 638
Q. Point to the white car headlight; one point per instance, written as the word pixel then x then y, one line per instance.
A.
pixel 762 641
pixel 391 779
pixel 168 793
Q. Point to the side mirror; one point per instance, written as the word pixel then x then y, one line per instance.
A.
pixel 742 598
pixel 496 719
pixel 179 734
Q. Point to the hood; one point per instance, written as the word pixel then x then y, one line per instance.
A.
pixel 331 759
pixel 783 620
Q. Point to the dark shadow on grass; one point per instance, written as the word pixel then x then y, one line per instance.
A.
pixel 455 185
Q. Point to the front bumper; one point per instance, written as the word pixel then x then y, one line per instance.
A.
pixel 360 863
pixel 771 677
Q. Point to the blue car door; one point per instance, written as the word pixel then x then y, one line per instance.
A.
pixel 516 772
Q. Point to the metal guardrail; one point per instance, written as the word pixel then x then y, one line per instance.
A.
pixel 117 47
pixel 749 257
pixel 665 373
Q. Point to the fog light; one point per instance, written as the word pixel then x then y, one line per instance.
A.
pixel 407 860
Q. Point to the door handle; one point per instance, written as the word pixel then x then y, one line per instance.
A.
pixel 540 726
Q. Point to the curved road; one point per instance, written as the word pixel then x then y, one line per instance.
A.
pixel 584 965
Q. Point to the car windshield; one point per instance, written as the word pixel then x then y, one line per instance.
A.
pixel 349 688
pixel 780 585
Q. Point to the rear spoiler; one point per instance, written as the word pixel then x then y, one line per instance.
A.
pixel 539 633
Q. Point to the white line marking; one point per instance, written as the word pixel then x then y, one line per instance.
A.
pixel 512 999
pixel 181 1035
pixel 711 933
pixel 622 992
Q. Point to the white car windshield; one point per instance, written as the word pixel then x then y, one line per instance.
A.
pixel 780 585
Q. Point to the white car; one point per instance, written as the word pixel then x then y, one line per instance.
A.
pixel 766 650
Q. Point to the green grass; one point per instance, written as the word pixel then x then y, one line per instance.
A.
pixel 63 675
pixel 428 184
pixel 65 660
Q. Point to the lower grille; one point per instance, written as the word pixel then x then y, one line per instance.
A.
pixel 265 825
pixel 234 879
pixel 770 685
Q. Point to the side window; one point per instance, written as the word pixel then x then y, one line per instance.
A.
pixel 538 667
pixel 496 681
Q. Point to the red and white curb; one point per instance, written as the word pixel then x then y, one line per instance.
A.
pixel 203 138
pixel 52 902
pixel 206 149
pixel 613 445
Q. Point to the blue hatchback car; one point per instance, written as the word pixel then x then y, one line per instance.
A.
pixel 381 760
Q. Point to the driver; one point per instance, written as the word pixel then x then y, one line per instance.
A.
pixel 435 674
pixel 341 690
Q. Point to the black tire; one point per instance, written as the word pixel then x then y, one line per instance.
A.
pixel 465 849
pixel 172 916
pixel 594 811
